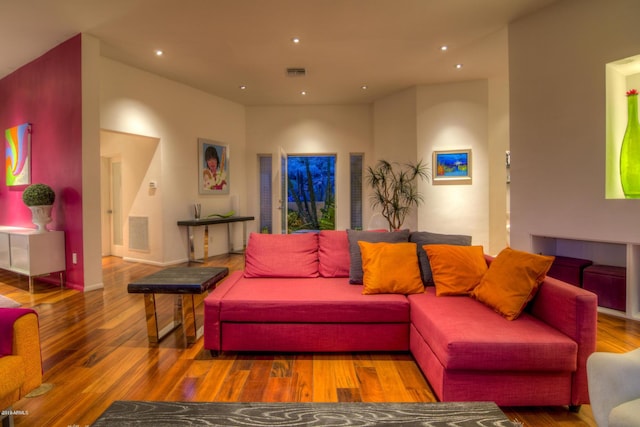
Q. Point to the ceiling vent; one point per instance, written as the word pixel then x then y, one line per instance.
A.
pixel 296 72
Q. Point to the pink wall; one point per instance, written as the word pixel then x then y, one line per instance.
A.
pixel 48 94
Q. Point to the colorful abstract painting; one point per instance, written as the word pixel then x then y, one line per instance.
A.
pixel 18 154
pixel 452 166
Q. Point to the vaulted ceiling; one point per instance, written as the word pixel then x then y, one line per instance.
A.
pixel 219 46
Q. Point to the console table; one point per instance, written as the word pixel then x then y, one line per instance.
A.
pixel 206 222
pixel 25 251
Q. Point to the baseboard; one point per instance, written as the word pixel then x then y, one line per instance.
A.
pixel 156 263
pixel 94 287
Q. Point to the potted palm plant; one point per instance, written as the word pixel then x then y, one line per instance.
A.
pixel 395 189
pixel 39 198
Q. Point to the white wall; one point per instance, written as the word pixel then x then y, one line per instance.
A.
pixel 395 136
pixel 91 163
pixel 339 130
pixel 395 127
pixel 557 111
pixel 498 135
pixel 450 117
pixel 136 102
pixel 410 125
pixel 405 126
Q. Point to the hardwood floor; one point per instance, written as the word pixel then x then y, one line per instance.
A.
pixel 95 350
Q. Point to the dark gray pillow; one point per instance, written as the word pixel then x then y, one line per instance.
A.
pixel 355 266
pixel 427 238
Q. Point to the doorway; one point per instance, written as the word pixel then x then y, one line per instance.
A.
pixel 125 160
pixel 111 201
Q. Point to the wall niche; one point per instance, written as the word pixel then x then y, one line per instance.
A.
pixel 618 254
pixel 621 76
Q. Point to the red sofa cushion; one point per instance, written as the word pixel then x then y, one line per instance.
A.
pixel 282 255
pixel 477 338
pixel 323 300
pixel 333 253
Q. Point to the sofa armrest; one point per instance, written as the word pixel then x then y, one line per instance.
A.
pixel 26 343
pixel 212 303
pixel 574 312
pixel 20 338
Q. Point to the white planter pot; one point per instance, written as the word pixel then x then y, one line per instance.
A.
pixel 41 216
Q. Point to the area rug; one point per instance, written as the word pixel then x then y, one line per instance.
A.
pixel 158 414
pixel 43 389
pixel 6 302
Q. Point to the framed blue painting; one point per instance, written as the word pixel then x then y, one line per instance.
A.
pixel 452 167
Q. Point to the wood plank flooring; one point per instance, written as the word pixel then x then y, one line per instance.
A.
pixel 95 350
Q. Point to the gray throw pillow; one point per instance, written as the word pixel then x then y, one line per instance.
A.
pixel 426 238
pixel 355 266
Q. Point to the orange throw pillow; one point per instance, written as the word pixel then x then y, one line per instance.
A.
pixel 456 270
pixel 390 268
pixel 512 281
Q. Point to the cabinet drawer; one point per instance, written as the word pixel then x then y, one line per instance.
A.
pixel 19 252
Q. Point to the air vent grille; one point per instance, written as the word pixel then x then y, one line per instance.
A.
pixel 139 233
pixel 296 72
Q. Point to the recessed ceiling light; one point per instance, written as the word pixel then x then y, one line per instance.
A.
pixel 443 48
pixel 295 40
pixel 303 93
pixel 364 87
pixel 242 87
pixel 458 66
pixel 159 52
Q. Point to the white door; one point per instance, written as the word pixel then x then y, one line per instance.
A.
pixel 279 195
pixel 115 211
pixel 105 205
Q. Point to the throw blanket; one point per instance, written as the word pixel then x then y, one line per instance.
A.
pixel 8 316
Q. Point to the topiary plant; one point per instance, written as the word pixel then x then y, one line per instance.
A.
pixel 38 195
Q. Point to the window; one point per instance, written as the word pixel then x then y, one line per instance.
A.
pixel 265 193
pixel 311 192
pixel 309 207
pixel 355 174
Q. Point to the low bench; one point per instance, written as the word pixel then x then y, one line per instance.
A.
pixel 609 283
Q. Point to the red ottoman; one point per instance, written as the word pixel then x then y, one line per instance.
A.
pixel 609 283
pixel 568 269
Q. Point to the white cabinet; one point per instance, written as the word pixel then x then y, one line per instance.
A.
pixel 5 253
pixel 25 251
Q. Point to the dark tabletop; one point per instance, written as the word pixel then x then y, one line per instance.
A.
pixel 214 220
pixel 179 280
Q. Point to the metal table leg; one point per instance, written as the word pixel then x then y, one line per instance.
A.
pixel 153 329
pixel 189 318
pixel 190 242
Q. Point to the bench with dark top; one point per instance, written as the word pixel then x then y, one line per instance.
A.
pixel 186 282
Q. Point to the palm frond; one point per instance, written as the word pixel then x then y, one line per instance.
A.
pixel 395 189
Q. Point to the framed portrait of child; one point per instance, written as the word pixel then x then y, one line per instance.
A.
pixel 213 167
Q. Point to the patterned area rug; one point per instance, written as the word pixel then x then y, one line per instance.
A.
pixel 157 414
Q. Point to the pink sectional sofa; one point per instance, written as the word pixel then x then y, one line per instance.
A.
pixel 297 294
